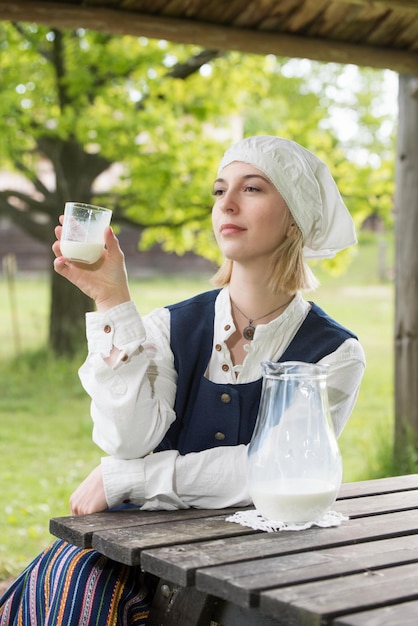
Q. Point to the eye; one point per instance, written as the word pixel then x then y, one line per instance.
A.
pixel 218 192
pixel 251 188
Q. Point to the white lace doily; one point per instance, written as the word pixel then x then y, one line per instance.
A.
pixel 254 519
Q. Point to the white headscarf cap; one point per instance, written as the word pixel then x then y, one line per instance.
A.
pixel 306 185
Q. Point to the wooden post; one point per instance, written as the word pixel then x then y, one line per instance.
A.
pixel 10 270
pixel 406 268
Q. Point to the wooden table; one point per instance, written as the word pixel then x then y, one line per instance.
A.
pixel 362 573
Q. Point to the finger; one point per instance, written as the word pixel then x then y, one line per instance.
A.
pixel 73 506
pixel 111 241
pixel 56 248
pixel 61 265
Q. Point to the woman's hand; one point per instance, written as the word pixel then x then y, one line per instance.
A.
pixel 90 496
pixel 105 281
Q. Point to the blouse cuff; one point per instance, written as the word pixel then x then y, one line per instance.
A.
pixel 119 327
pixel 124 481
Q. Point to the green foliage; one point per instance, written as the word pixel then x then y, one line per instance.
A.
pixel 124 98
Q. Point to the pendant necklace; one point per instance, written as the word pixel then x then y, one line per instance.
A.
pixel 248 332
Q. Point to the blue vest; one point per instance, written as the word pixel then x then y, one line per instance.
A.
pixel 211 414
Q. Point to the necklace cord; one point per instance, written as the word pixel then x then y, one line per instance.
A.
pixel 256 319
pixel 248 332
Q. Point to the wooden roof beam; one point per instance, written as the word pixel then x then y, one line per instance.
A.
pixel 60 15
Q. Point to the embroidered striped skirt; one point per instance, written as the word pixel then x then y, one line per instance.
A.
pixel 69 586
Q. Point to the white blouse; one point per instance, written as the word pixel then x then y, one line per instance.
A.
pixel 132 403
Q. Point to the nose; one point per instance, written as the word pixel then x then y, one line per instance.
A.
pixel 229 202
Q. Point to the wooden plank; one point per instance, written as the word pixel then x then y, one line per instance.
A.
pixel 404 614
pixel 382 503
pixel 353 25
pixel 389 28
pixel 241 583
pixel 317 603
pixel 279 15
pixel 126 544
pixel 378 485
pixel 407 38
pixel 79 529
pixel 217 12
pixel 337 17
pixel 179 563
pixel 300 20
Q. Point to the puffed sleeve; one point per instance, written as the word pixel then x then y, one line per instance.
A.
pixel 132 401
pixel 346 369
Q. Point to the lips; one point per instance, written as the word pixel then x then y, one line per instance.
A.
pixel 231 229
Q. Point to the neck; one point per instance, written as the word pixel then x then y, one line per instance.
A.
pixel 251 293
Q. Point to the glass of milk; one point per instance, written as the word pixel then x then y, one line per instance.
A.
pixel 83 228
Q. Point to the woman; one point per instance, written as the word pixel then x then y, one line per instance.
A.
pixel 184 382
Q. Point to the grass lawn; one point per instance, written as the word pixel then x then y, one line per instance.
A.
pixel 45 435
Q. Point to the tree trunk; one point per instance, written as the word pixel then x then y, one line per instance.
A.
pixel 69 305
pixel 75 172
pixel 406 291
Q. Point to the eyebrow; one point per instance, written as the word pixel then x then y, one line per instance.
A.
pixel 246 177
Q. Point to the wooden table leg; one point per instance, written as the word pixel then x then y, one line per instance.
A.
pixel 173 605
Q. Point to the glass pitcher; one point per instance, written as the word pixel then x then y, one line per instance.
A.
pixel 294 463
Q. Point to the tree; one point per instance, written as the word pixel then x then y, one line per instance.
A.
pixel 83 102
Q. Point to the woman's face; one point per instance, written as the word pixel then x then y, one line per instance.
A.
pixel 250 218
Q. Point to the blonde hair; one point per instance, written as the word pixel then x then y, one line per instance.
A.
pixel 288 269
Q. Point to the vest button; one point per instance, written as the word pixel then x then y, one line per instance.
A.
pixel 227 327
pixel 225 398
pixel 218 347
pixel 219 436
pixel 225 367
pixel 107 329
